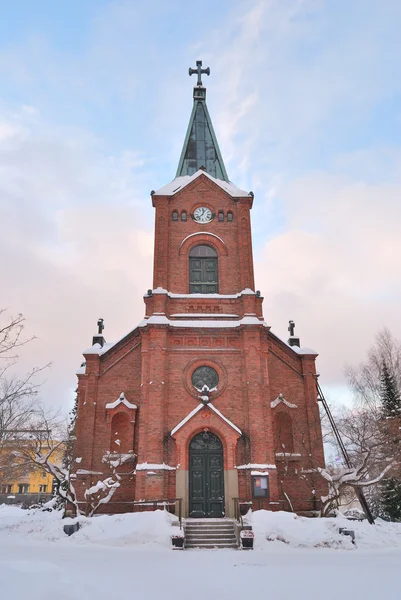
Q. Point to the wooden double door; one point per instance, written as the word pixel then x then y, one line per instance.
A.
pixel 206 476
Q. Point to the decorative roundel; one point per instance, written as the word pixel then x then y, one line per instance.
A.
pixel 205 376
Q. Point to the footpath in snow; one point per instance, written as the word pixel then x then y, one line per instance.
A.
pixel 130 556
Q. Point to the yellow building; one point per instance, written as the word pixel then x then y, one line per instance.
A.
pixel 28 481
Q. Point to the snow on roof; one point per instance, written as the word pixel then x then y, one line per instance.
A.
pixel 120 400
pixel 187 418
pixel 196 410
pixel 163 320
pixel 180 183
pixel 98 349
pixel 304 351
pixel 245 292
pixel 296 349
pixel 237 429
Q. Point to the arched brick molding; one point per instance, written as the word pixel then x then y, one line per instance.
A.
pixel 203 237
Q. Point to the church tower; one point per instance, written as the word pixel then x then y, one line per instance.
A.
pixel 201 399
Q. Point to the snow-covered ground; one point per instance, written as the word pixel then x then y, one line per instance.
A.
pixel 129 556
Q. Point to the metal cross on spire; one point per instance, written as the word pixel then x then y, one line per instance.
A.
pixel 199 71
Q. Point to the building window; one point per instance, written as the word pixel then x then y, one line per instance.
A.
pixel 221 215
pixel 23 488
pixel 229 216
pixel 44 474
pixel 203 273
pixel 175 215
pixel 43 489
pixel 184 215
pixel 6 489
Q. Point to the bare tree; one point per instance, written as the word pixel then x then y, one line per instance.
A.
pixel 342 479
pixel 103 491
pixel 365 379
pixel 19 402
pixel 43 447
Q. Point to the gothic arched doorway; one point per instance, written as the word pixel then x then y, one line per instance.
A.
pixel 206 476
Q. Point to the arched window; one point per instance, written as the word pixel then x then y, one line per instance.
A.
pixel 184 215
pixel 229 216
pixel 221 215
pixel 283 435
pixel 121 434
pixel 203 274
pixel 174 216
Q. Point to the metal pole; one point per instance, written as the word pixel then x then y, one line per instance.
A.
pixel 357 489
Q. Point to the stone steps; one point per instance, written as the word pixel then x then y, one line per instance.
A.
pixel 209 534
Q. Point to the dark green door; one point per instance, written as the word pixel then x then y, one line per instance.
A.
pixel 206 476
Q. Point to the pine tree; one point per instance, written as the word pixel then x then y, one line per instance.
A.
pixel 391 499
pixel 389 504
pixel 389 394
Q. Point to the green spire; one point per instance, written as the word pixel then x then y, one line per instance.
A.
pixel 201 149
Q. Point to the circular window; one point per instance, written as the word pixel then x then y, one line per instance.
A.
pixel 205 376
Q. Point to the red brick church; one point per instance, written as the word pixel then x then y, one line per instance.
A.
pixel 202 399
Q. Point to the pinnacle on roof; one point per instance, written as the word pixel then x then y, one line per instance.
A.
pixel 201 150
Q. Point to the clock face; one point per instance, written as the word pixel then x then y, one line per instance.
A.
pixel 203 214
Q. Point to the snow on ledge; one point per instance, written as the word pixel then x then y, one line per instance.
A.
pixel 161 320
pixel 204 315
pixel 86 472
pixel 121 400
pixel 280 399
pixel 154 467
pixel 245 292
pixel 288 454
pixel 256 466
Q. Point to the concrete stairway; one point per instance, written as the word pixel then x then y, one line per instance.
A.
pixel 209 533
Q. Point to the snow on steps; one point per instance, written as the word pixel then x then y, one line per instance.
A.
pixel 211 533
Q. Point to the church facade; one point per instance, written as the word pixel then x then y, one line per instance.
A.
pixel 201 399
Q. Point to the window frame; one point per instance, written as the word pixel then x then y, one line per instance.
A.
pixel 203 259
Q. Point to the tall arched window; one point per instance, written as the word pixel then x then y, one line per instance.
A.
pixel 203 274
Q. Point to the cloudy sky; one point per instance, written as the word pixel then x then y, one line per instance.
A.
pixel 305 97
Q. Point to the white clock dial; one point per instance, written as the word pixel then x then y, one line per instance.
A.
pixel 203 214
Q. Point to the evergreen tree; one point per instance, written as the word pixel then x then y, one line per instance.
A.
pixel 389 394
pixel 391 499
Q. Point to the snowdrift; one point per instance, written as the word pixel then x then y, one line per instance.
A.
pixel 128 529
pixel 273 530
pixel 302 532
